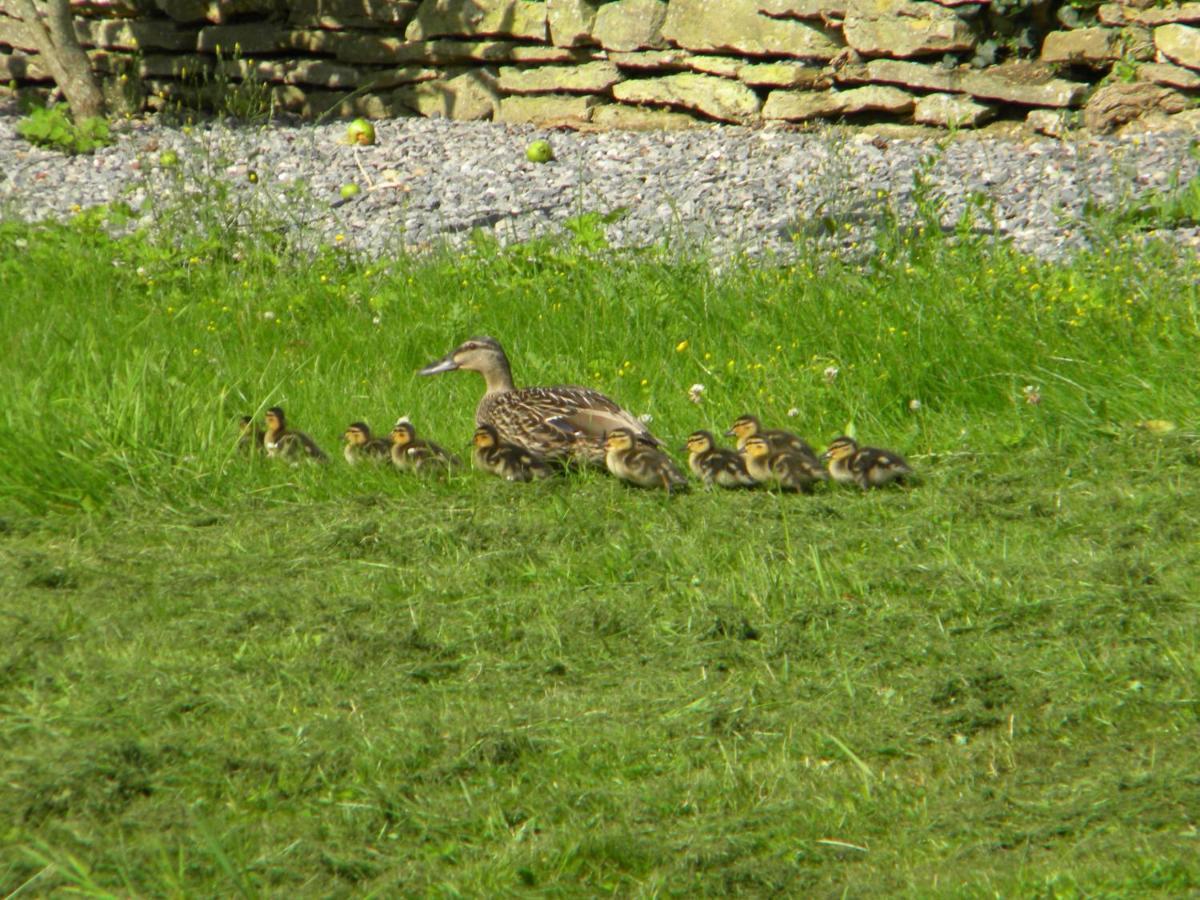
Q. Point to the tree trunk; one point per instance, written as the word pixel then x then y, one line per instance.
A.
pixel 60 51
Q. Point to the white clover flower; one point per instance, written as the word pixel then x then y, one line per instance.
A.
pixel 696 393
pixel 268 315
pixel 1032 394
pixel 645 418
pixel 377 320
pixel 914 404
pixel 793 412
pixel 831 374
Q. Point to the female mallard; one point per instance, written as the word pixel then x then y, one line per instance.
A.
pixel 361 446
pixel 790 470
pixel 554 422
pixel 284 443
pixel 509 461
pixel 638 463
pixel 412 453
pixel 867 467
pixel 716 465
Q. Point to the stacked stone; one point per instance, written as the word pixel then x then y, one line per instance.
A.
pixel 639 63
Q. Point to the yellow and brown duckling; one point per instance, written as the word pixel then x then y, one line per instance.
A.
pixel 867 467
pixel 250 436
pixel 564 422
pixel 414 454
pixel 282 442
pixel 748 426
pixel 510 462
pixel 787 469
pixel 362 446
pixel 637 462
pixel 716 465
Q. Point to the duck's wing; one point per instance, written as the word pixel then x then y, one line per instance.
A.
pixel 587 412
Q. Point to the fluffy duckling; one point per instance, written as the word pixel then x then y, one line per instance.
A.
pixel 561 422
pixel 285 443
pixel 250 436
pixel 411 453
pixel 716 465
pixel 789 470
pixel 509 461
pixel 747 426
pixel 635 461
pixel 361 446
pixel 867 467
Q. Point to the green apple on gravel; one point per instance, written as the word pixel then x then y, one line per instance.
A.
pixel 360 131
pixel 539 152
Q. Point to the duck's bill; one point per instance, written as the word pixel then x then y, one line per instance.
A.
pixel 442 365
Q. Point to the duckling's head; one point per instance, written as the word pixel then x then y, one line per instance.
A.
pixel 275 418
pixel 357 433
pixel 757 447
pixel 485 436
pixel 840 448
pixel 744 427
pixel 619 439
pixel 246 424
pixel 700 442
pixel 403 433
pixel 478 354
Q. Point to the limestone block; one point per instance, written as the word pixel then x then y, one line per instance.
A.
pixel 795 106
pixel 312 103
pixel 652 60
pixel 725 66
pixel 589 78
pixel 1087 46
pixel 904 28
pixel 570 21
pixel 803 9
pixel 1026 84
pixel 246 39
pixel 547 109
pixel 630 25
pixel 22 67
pixel 1179 43
pixel 14 33
pixel 478 18
pixel 116 34
pixel 379 79
pixel 780 75
pixel 717 98
pixel 735 26
pixel 1169 75
pixel 1122 14
pixel 951 111
pixel 174 65
pixel 217 12
pixel 1118 102
pixel 320 72
pixel 470 95
pixel 337 14
pixel 618 116
pixel 1052 122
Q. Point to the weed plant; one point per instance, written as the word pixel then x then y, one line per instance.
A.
pixel 228 677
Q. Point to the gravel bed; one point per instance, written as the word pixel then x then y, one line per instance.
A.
pixel 428 181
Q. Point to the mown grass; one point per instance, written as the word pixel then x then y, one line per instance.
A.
pixel 225 677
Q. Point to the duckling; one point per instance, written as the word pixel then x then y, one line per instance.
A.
pixel 361 446
pixel 556 423
pixel 747 426
pixel 867 467
pixel 250 437
pixel 639 463
pixel 789 470
pixel 716 465
pixel 285 443
pixel 414 454
pixel 509 461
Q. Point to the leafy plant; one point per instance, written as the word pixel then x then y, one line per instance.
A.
pixel 52 127
pixel 590 228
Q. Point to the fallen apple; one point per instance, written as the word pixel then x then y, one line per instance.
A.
pixel 539 152
pixel 349 190
pixel 360 131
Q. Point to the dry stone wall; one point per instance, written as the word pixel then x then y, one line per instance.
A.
pixel 649 63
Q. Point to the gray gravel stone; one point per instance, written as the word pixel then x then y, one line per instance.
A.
pixel 735 190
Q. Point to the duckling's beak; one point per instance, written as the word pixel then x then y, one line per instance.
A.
pixel 730 433
pixel 445 364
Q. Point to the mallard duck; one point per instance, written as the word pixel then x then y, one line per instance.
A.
pixel 867 467
pixel 509 461
pixel 786 468
pixel 285 443
pixel 639 463
pixel 412 453
pixel 747 426
pixel 556 423
pixel 250 436
pixel 361 446
pixel 716 465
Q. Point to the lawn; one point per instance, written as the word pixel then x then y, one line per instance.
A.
pixel 223 676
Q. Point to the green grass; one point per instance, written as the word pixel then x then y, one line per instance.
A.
pixel 223 677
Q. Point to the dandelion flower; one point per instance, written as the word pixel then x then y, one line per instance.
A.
pixel 681 346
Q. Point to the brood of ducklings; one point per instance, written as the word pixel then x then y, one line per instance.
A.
pixel 557 423
pixel 786 468
pixel 867 467
pixel 362 446
pixel 412 453
pixel 716 465
pixel 250 437
pixel 639 463
pixel 286 443
pixel 748 426
pixel 509 461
